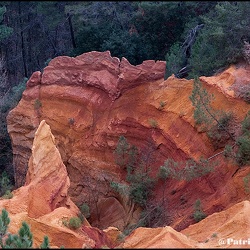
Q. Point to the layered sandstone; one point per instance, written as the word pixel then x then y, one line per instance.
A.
pixel 226 229
pixel 91 100
pixel 43 201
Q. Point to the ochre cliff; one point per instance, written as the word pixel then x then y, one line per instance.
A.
pixel 226 229
pixel 91 100
pixel 43 201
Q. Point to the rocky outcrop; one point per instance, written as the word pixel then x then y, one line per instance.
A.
pixel 91 100
pixel 229 228
pixel 43 201
pixel 226 229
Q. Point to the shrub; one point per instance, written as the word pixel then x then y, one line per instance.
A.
pixel 198 214
pixel 45 243
pixel 139 191
pixel 8 195
pixel 120 188
pixel 37 104
pixel 220 42
pixel 24 238
pixel 187 170
pixel 246 180
pixel 153 123
pixel 5 184
pixel 175 60
pixel 161 105
pixel 220 133
pixel 163 173
pixel 84 208
pixel 121 152
pixel 74 222
pixel 243 153
pixel 244 92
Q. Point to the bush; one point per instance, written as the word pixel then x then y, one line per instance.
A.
pixel 243 153
pixel 8 195
pixel 24 238
pixel 84 208
pixel 153 123
pixel 74 222
pixel 243 143
pixel 5 184
pixel 220 133
pixel 175 60
pixel 220 42
pixel 139 191
pixel 198 214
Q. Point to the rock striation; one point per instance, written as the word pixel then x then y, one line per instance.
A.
pixel 43 201
pixel 226 229
pixel 91 100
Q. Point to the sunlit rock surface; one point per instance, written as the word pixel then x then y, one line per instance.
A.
pixel 91 100
pixel 43 202
pixel 226 229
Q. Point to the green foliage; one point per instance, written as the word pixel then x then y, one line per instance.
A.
pixel 4 223
pixel 174 60
pixel 140 183
pixel 24 238
pixel 37 104
pixel 215 122
pixel 140 188
pixel 240 151
pixel 137 31
pixel 201 101
pixel 228 151
pixel 5 184
pixel 11 99
pixel 153 123
pixel 133 159
pixel 7 102
pixel 162 104
pixel 45 243
pixel 221 41
pixel 163 172
pixel 74 222
pixel 5 31
pixel 121 152
pixel 8 195
pixel 219 133
pixel 245 125
pixel 120 188
pixel 84 208
pixel 188 170
pixel 198 214
pixel 71 121
pixel 243 153
pixel 214 235
pixel 246 180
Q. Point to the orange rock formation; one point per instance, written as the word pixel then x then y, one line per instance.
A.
pixel 91 100
pixel 226 229
pixel 43 201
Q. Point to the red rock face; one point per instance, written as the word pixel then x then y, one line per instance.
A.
pixel 91 100
pixel 43 201
pixel 226 229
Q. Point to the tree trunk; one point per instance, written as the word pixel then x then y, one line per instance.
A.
pixel 71 31
pixel 22 41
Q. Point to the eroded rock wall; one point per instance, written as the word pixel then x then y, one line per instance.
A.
pixel 91 100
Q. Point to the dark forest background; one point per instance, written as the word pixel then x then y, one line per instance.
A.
pixel 194 37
